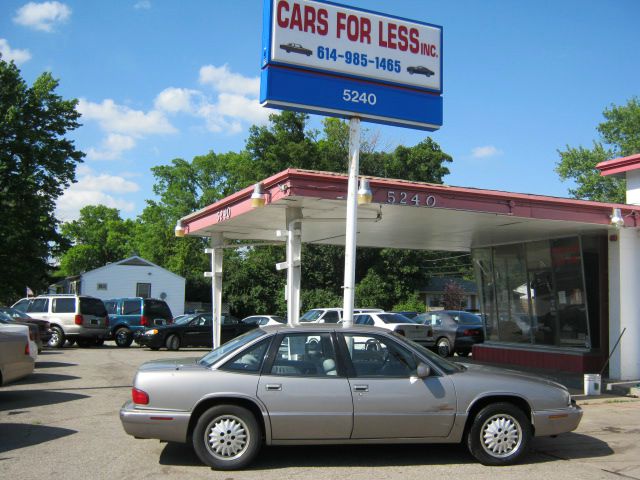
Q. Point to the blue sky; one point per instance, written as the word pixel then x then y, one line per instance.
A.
pixel 160 79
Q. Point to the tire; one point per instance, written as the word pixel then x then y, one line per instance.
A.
pixel 172 342
pixel 71 342
pixel 500 435
pixel 227 437
pixel 443 346
pixel 57 337
pixel 86 342
pixel 123 337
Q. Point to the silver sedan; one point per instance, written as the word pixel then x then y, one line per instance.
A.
pixel 325 384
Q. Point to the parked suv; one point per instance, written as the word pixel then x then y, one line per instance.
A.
pixel 78 318
pixel 128 315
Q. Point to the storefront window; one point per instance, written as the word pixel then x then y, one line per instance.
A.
pixel 534 293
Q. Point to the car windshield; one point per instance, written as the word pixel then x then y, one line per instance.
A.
pixel 279 319
pixel 229 347
pixel 183 320
pixel 394 318
pixel 442 363
pixel 311 316
pixel 465 318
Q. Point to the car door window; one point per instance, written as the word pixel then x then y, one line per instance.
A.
pixel 111 306
pixel 308 355
pixel 131 307
pixel 203 321
pixel 331 317
pixel 250 360
pixel 375 356
pixel 39 305
pixel 63 305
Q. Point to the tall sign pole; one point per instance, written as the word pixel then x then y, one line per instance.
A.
pixel 352 223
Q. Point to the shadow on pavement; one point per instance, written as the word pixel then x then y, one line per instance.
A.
pixel 44 378
pixel 54 364
pixel 20 435
pixel 271 458
pixel 21 399
pixel 571 446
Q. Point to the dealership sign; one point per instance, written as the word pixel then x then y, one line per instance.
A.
pixel 325 58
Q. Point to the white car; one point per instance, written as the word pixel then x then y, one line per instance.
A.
pixel 331 315
pixel 422 334
pixel 262 320
pixel 16 360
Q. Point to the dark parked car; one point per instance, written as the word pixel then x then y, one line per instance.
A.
pixel 132 314
pixel 296 48
pixel 408 314
pixel 325 384
pixel 420 71
pixel 454 330
pixel 191 331
pixel 43 325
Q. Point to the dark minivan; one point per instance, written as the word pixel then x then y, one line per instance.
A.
pixel 130 314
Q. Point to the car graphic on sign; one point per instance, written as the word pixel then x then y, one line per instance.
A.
pixel 296 48
pixel 420 71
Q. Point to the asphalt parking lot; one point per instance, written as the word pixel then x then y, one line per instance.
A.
pixel 63 422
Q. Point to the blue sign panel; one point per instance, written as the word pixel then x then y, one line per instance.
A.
pixel 325 58
pixel 294 89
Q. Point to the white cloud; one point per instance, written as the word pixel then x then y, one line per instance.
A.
pixel 142 5
pixel 112 147
pixel 15 54
pixel 223 80
pixel 115 118
pixel 485 152
pixel 94 189
pixel 42 16
pixel 174 100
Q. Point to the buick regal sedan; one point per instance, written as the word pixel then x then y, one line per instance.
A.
pixel 326 384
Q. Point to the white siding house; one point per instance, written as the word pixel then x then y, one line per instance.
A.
pixel 135 277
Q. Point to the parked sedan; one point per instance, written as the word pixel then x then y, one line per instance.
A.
pixel 35 342
pixel 22 317
pixel 190 331
pixel 322 384
pixel 16 360
pixel 400 324
pixel 454 330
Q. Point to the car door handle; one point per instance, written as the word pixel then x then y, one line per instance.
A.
pixel 361 388
pixel 273 387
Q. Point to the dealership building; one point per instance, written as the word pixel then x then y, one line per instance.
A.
pixel 557 278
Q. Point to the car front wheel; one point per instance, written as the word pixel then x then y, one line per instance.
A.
pixel 227 437
pixel 123 337
pixel 500 434
pixel 444 347
pixel 57 337
pixel 173 342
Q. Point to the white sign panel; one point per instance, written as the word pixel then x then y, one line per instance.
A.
pixel 345 41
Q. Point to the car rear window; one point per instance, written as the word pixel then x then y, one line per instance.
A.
pixel 92 306
pixel 467 319
pixel 157 309
pixel 64 305
pixel 395 318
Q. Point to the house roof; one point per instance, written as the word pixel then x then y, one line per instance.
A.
pixel 135 261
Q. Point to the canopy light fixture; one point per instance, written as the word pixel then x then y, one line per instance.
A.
pixel 257 197
pixel 616 218
pixel 179 230
pixel 365 195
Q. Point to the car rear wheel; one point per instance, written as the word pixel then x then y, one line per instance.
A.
pixel 123 337
pixel 500 434
pixel 227 437
pixel 444 347
pixel 57 337
pixel 173 342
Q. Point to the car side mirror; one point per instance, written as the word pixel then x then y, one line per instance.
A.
pixel 423 370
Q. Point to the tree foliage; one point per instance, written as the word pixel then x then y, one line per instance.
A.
pixel 37 162
pixel 619 136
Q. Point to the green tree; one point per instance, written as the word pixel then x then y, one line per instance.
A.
pixel 619 136
pixel 98 236
pixel 37 163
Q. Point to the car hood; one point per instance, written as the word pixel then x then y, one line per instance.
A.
pixel 509 375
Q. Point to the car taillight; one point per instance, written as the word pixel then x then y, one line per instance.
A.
pixel 78 319
pixel 470 333
pixel 26 349
pixel 144 321
pixel 139 397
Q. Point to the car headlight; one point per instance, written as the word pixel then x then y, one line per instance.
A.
pixel 151 332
